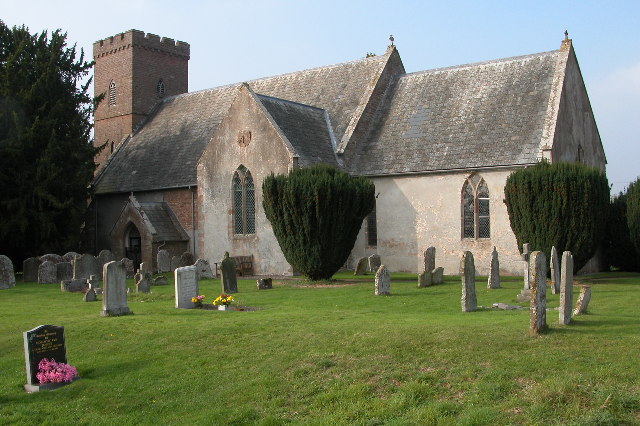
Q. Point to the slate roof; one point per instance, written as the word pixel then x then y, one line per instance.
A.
pixel 305 127
pixel 477 115
pixel 166 224
pixel 164 151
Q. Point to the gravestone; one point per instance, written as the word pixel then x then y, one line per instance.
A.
pixel 264 284
pixel 430 259
pixel 361 267
pixel 526 254
pixel 93 281
pixel 55 258
pixel 90 295
pixel 164 261
pixel 186 259
pixel 566 288
pixel 128 267
pixel 69 256
pixel 175 263
pixel 554 266
pixel 228 274
pixel 84 266
pixel 144 268
pixel 44 341
pixel 538 287
pixel 186 286
pixel 47 273
pixel 74 285
pixel 374 262
pixel 583 300
pixel 204 269
pixel 161 280
pixel 114 290
pixel 383 281
pixel 468 301
pixel 64 271
pixel 7 276
pixel 425 279
pixel 143 283
pixel 105 256
pixel 30 269
pixel 494 271
pixel 437 277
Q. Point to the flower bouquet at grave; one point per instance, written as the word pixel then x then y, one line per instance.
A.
pixel 198 301
pixel 50 371
pixel 223 299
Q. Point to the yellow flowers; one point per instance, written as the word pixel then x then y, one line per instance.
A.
pixel 223 299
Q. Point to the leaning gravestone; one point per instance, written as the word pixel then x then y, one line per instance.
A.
pixel 7 276
pixel 430 259
pixel 74 285
pixel 164 261
pixel 468 277
pixel 105 256
pixel 361 267
pixel 204 269
pixel 69 256
pixel 44 341
pixel 538 287
pixel 84 266
pixel 425 279
pixel 374 262
pixel 555 271
pixel 186 259
pixel 186 286
pixel 264 284
pixel 114 291
pixel 228 274
pixel 494 271
pixel 30 269
pixel 566 288
pixel 383 281
pixel 583 300
pixel 161 280
pixel 47 273
pixel 55 258
pixel 143 283
pixel 64 271
pixel 437 277
pixel 176 263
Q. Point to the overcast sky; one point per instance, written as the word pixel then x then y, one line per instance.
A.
pixel 234 41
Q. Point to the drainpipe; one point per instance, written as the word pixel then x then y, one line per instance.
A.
pixel 193 221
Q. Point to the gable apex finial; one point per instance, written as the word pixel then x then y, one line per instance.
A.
pixel 566 35
pixel 391 39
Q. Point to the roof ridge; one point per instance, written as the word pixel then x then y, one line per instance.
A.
pixel 273 98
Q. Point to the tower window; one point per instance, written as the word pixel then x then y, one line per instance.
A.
pixel 112 93
pixel 160 89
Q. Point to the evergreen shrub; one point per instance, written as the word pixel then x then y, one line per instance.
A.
pixel 620 252
pixel 633 213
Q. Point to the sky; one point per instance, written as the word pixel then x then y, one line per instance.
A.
pixel 239 40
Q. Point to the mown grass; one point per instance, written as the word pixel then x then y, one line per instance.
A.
pixel 330 354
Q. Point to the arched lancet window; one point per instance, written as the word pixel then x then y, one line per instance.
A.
pixel 160 89
pixel 244 206
pixel 475 208
pixel 112 93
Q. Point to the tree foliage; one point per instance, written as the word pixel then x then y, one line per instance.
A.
pixel 633 213
pixel 620 252
pixel 46 152
pixel 563 205
pixel 316 214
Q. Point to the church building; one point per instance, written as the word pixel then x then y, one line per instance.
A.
pixel 183 171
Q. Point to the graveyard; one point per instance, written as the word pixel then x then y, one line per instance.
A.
pixel 330 353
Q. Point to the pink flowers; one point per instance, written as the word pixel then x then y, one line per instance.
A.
pixel 50 371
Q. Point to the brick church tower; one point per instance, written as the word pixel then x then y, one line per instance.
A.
pixel 134 70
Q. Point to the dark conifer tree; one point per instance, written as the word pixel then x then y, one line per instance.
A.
pixel 619 250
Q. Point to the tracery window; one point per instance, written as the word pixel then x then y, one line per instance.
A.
pixel 160 89
pixel 475 208
pixel 244 206
pixel 112 93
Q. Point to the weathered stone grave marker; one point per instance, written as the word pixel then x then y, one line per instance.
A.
pixel 175 263
pixel 361 266
pixel 538 287
pixel 164 261
pixel 7 276
pixel 186 286
pixel 438 275
pixel 430 259
pixel 105 256
pixel 374 263
pixel 494 271
pixel 583 300
pixel 64 271
pixel 468 301
pixel 566 288
pixel 526 254
pixel 114 291
pixel 84 266
pixel 228 274
pixel 44 341
pixel 204 269
pixel 47 273
pixel 383 281
pixel 30 269
pixel 264 284
pixel 554 266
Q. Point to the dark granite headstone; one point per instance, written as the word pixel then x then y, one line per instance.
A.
pixel 264 284
pixel 228 274
pixel 44 341
pixel 30 269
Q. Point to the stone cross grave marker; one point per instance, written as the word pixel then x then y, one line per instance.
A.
pixel 7 276
pixel 44 341
pixel 526 254
pixel 164 261
pixel 114 291
pixel 566 288
pixel 228 274
pixel 494 271
pixel 186 286
pixel 538 286
pixel 383 281
pixel 468 277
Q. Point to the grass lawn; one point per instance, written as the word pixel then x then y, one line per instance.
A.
pixel 332 354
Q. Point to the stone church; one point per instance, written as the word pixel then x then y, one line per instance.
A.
pixel 183 171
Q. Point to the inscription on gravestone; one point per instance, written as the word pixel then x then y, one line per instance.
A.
pixel 44 341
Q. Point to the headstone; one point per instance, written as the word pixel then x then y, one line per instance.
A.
pixel 228 274
pixel 566 288
pixel 164 261
pixel 383 281
pixel 114 291
pixel 7 276
pixel 128 267
pixel 526 254
pixel 90 295
pixel 55 258
pixel 361 267
pixel 44 341
pixel 69 256
pixel 204 269
pixel 554 266
pixel 430 259
pixel 144 268
pixel 494 271
pixel 161 280
pixel 374 262
pixel 175 263
pixel 84 266
pixel 437 277
pixel 74 285
pixel 47 273
pixel 143 284
pixel 186 259
pixel 93 281
pixel 425 279
pixel 538 287
pixel 264 284
pixel 64 271
pixel 583 300
pixel 105 256
pixel 30 269
pixel 468 301
pixel 186 286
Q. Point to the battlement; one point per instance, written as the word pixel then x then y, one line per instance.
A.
pixel 137 38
